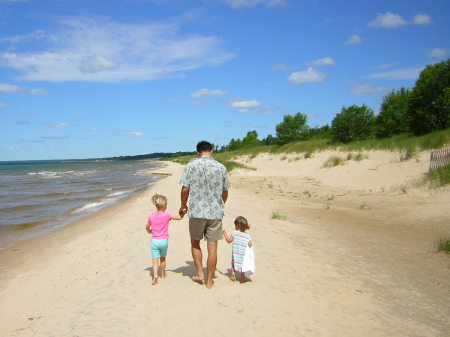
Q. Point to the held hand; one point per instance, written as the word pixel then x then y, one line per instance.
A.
pixel 182 211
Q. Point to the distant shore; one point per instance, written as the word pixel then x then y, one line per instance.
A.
pixel 340 251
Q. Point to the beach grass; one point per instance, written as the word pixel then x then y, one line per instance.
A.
pixel 442 245
pixel 230 165
pixel 406 144
pixel 277 216
pixel 333 161
pixel 439 177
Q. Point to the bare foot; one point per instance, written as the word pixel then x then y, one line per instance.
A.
pixel 209 285
pixel 233 277
pixel 243 278
pixel 198 279
pixel 155 281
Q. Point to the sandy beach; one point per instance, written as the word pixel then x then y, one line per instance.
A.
pixel 340 251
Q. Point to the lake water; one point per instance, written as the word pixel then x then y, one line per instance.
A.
pixel 41 196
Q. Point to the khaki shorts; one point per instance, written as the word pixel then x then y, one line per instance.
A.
pixel 211 229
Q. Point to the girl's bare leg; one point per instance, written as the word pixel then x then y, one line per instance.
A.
pixel 243 278
pixel 162 260
pixel 155 270
pixel 233 274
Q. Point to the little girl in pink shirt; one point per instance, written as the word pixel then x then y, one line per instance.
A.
pixel 158 227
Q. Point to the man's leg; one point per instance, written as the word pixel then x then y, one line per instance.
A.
pixel 211 263
pixel 198 259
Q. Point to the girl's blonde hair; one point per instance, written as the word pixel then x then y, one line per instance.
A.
pixel 159 201
pixel 241 223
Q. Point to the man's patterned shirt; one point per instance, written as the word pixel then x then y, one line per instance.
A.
pixel 206 179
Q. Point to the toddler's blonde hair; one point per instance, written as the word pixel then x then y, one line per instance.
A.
pixel 159 201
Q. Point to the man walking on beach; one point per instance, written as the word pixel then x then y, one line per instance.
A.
pixel 205 183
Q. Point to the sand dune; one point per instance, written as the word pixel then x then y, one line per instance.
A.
pixel 349 254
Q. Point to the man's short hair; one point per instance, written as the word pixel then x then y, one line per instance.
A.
pixel 204 146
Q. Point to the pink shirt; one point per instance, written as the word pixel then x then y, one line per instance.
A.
pixel 160 225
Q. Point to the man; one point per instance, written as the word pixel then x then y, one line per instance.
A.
pixel 205 183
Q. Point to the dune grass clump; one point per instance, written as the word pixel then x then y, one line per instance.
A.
pixel 276 216
pixel 230 165
pixel 438 178
pixel 333 161
pixel 308 154
pixel 442 245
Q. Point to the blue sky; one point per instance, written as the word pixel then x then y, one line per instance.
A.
pixel 84 79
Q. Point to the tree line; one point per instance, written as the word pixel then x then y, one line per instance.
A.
pixel 419 110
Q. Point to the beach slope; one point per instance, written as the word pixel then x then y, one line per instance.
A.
pixel 340 251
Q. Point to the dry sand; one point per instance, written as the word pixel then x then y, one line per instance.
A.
pixel 349 256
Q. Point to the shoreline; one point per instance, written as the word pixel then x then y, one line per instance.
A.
pixel 16 255
pixel 14 233
pixel 324 267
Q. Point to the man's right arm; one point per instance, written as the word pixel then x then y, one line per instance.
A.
pixel 224 196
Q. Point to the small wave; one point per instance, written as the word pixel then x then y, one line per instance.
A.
pixel 92 205
pixel 49 174
pixel 115 194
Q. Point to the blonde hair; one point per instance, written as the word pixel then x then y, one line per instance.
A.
pixel 159 201
pixel 241 223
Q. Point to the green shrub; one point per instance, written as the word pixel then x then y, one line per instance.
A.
pixel 442 245
pixel 276 216
pixel 439 177
pixel 333 161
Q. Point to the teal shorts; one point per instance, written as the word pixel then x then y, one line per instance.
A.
pixel 159 248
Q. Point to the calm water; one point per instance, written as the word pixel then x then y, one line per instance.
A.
pixel 41 196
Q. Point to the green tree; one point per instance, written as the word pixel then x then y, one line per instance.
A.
pixel 234 144
pixel 353 123
pixel 269 140
pixel 292 129
pixel 393 117
pixel 251 139
pixel 429 102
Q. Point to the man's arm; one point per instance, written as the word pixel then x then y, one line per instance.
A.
pixel 184 198
pixel 224 196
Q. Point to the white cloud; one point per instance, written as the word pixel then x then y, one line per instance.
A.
pixel 136 134
pixel 241 104
pixel 97 63
pixel 387 20
pixel 238 4
pixel 96 49
pixel 391 20
pixel 438 53
pixel 39 92
pixel 9 88
pixel 325 61
pixel 61 125
pixel 353 39
pixel 206 92
pixel 422 19
pixel 14 89
pixel 3 105
pixel 279 67
pixel 401 74
pixel 308 76
pixel 365 89
pixel 36 35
